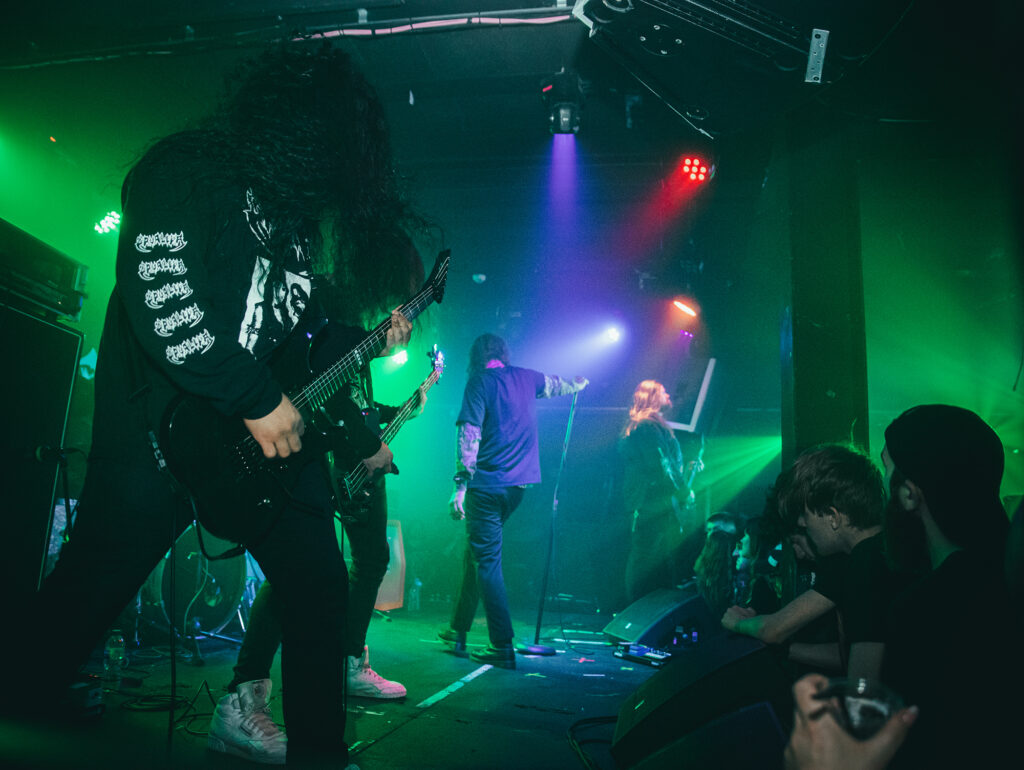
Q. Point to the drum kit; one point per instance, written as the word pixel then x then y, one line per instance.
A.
pixel 208 593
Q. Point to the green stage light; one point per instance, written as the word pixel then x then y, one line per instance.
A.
pixel 108 224
pixel 732 463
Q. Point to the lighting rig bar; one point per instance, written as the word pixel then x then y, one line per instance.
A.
pixel 741 23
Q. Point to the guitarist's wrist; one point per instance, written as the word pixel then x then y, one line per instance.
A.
pixel 461 480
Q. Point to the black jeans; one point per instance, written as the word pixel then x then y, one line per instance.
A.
pixel 486 513
pixel 127 520
pixel 369 556
pixel 654 554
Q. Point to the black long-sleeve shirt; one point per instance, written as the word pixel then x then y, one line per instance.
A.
pixel 197 307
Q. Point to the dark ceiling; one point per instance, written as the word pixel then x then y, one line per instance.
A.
pixel 721 65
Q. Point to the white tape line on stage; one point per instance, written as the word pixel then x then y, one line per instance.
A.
pixel 457 685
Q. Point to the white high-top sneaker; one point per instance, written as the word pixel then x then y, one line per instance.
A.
pixel 367 683
pixel 242 726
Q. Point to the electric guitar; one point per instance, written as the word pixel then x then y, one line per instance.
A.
pixel 236 491
pixel 684 501
pixel 353 487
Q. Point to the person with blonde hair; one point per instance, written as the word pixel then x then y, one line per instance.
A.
pixel 652 478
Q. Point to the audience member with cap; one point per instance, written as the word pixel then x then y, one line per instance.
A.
pixel 948 647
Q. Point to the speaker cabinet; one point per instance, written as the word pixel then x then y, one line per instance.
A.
pixel 701 684
pixel 652 619
pixel 40 360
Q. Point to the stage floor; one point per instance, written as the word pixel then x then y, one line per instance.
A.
pixel 458 714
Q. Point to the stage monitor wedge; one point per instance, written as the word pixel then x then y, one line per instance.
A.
pixel 652 619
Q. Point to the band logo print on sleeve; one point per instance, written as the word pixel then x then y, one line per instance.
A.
pixel 156 298
pixel 189 316
pixel 146 242
pixel 199 343
pixel 150 269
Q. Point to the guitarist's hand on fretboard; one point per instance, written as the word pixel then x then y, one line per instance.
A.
pixel 398 334
pixel 381 461
pixel 278 433
pixel 421 404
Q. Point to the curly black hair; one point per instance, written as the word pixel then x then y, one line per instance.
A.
pixel 304 129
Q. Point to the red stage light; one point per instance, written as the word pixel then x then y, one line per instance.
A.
pixel 694 169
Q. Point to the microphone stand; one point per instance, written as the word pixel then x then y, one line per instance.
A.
pixel 537 648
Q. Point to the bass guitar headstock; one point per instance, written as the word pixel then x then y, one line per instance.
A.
pixel 439 275
pixel 436 361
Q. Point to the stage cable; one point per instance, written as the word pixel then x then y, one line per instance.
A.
pixel 172 632
pixel 577 745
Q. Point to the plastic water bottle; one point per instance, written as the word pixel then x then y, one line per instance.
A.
pixel 414 594
pixel 114 659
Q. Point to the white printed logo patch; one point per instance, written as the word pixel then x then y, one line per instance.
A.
pixel 156 298
pixel 189 316
pixel 149 270
pixel 200 343
pixel 171 241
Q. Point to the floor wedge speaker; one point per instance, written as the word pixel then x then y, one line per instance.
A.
pixel 652 619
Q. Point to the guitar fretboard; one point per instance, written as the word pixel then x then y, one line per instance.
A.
pixel 320 389
pixel 355 478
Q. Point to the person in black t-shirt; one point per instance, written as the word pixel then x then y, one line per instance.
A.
pixel 231 232
pixel 496 459
pixel 952 648
pixel 837 496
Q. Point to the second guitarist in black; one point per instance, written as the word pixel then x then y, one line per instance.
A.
pixel 653 486
pixel 366 533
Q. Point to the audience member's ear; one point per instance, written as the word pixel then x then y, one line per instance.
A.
pixel 835 518
pixel 909 496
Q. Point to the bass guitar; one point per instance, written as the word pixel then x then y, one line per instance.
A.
pixel 235 490
pixel 353 488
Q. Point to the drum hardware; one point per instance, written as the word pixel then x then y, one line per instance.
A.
pixel 208 594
